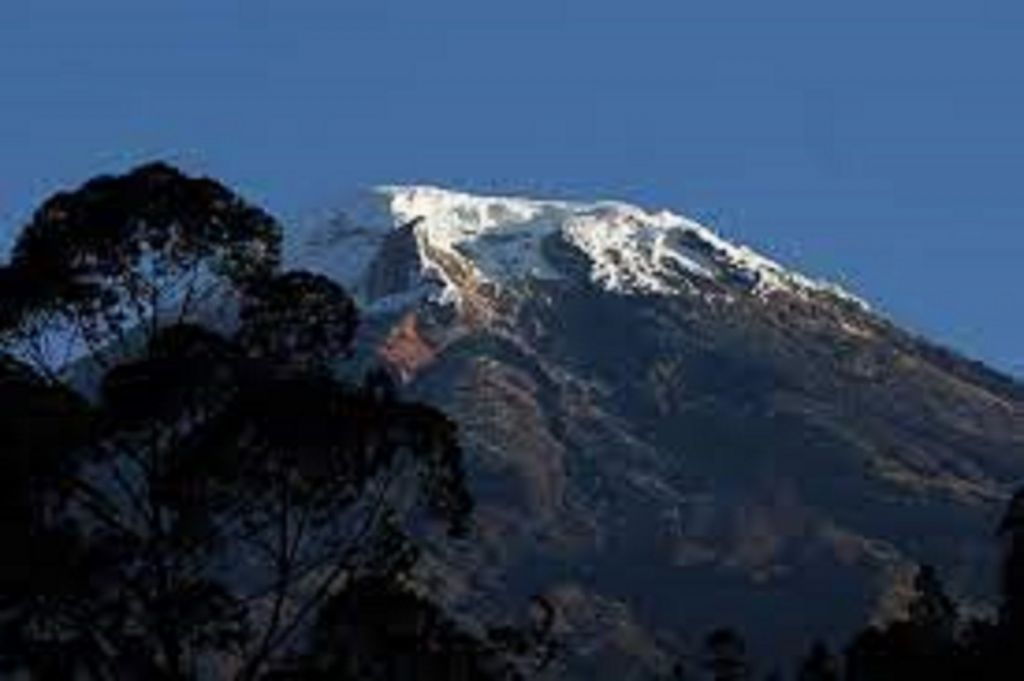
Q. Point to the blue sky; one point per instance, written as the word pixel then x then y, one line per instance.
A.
pixel 879 144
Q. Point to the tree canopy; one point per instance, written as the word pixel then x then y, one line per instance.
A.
pixel 125 255
pixel 197 515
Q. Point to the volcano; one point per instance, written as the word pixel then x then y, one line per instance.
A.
pixel 668 432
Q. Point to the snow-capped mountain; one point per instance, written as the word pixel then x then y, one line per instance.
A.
pixel 503 241
pixel 669 432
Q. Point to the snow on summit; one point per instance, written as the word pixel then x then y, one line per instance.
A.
pixel 400 242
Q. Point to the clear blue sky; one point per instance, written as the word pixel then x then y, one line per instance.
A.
pixel 880 144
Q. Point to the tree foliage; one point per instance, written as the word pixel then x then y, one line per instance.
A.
pixel 819 665
pixel 933 641
pixel 299 318
pixel 196 517
pixel 379 629
pixel 125 255
pixel 725 654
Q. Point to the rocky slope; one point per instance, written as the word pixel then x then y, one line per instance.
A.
pixel 669 432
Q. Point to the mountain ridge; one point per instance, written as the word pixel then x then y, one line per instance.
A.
pixel 631 249
pixel 671 443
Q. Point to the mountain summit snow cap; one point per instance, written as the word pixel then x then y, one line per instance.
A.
pixel 442 235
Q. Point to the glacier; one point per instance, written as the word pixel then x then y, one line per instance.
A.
pixel 629 250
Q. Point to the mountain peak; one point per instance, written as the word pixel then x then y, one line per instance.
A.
pixel 394 242
pixel 630 386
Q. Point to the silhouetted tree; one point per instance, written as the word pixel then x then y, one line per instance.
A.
pixel 877 655
pixel 819 665
pixel 381 630
pixel 40 423
pixel 223 487
pixel 922 646
pixel 932 613
pixel 981 654
pixel 298 318
pixel 1011 530
pixel 725 656
pixel 931 642
pixel 679 672
pixel 105 266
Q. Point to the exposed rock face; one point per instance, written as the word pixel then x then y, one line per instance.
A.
pixel 684 434
pixel 394 267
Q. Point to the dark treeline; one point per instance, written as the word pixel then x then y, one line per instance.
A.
pixel 934 642
pixel 190 491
